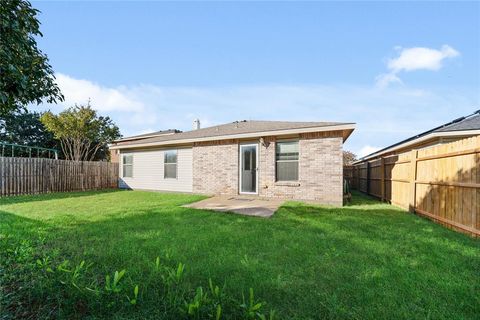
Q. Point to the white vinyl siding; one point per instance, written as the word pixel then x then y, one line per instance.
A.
pixel 149 171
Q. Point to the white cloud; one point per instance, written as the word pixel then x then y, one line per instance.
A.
pixel 382 116
pixel 104 99
pixel 366 150
pixel 383 80
pixel 421 58
pixel 417 58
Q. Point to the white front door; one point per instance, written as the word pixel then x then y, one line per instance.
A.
pixel 248 168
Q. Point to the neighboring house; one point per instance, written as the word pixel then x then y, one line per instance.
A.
pixel 114 152
pixel 291 160
pixel 457 129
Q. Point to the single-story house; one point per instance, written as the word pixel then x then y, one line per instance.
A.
pixel 290 160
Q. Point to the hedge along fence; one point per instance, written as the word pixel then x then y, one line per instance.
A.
pixel 441 182
pixel 35 175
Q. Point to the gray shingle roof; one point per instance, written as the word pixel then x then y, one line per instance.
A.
pixel 470 122
pixel 237 127
pixel 150 134
pixel 466 123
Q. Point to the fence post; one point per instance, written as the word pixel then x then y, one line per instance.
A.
pixel 476 215
pixel 413 177
pixel 368 177
pixel 382 177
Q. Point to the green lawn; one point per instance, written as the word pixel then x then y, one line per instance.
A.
pixel 364 261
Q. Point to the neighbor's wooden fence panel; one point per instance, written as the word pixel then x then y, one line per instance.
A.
pixel 348 174
pixel 34 175
pixel 441 182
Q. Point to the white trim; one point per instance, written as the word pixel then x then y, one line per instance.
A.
pixel 422 139
pixel 240 167
pixel 240 136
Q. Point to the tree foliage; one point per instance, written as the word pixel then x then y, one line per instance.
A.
pixel 349 157
pixel 25 74
pixel 83 134
pixel 25 128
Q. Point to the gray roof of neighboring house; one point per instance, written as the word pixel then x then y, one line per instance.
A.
pixel 470 122
pixel 147 135
pixel 237 127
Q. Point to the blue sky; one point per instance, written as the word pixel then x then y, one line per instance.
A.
pixel 393 68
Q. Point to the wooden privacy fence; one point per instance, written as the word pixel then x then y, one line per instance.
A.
pixel 348 174
pixel 34 175
pixel 440 182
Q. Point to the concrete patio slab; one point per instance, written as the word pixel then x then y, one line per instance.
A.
pixel 245 205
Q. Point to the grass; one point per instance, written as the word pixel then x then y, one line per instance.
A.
pixel 367 260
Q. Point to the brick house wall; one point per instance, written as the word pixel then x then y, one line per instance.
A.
pixel 114 156
pixel 215 169
pixel 320 171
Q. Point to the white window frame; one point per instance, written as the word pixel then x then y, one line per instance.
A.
pixel 128 164
pixel 297 161
pixel 165 163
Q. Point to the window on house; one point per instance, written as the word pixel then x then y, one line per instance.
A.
pixel 170 164
pixel 286 160
pixel 127 162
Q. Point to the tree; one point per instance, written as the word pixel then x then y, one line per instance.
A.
pixel 25 128
pixel 82 133
pixel 25 74
pixel 349 157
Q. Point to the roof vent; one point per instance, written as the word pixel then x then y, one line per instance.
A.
pixel 196 124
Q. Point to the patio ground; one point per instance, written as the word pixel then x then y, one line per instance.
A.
pixel 244 205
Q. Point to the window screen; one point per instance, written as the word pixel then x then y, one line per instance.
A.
pixel 170 164
pixel 287 161
pixel 127 162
